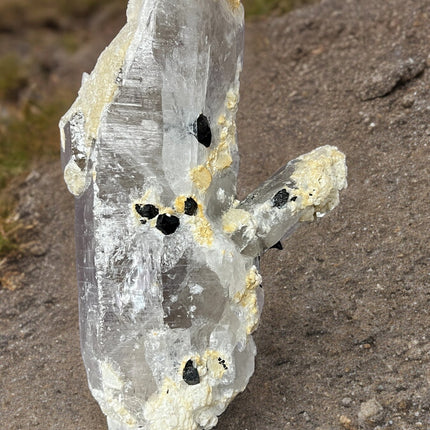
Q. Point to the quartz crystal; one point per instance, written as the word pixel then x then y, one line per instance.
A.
pixel 167 258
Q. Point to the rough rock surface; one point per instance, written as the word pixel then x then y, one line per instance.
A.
pixel 345 323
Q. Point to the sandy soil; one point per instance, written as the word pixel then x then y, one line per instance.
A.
pixel 344 340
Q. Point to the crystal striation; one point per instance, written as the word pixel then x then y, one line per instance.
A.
pixel 167 258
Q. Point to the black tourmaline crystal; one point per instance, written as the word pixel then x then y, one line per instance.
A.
pixel 190 374
pixel 280 199
pixel 146 211
pixel 190 207
pixel 202 130
pixel 167 224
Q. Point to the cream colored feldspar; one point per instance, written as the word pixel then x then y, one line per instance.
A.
pixel 318 178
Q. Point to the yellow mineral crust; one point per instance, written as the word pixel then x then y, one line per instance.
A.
pixel 200 225
pixel 221 119
pixel 97 91
pixel 112 386
pixel 319 176
pixel 216 370
pixel 220 157
pixel 176 405
pixel 99 87
pixel 232 99
pixel 202 230
pixel 248 299
pixel 234 219
pixel 234 3
pixel 75 178
pixel 180 203
pixel 201 177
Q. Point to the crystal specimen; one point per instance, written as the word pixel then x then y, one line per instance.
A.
pixel 169 289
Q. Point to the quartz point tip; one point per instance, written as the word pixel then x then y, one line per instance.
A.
pixel 167 258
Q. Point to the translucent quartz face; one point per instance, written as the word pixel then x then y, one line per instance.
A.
pixel 169 289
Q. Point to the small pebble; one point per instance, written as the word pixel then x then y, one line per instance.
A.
pixel 345 422
pixel 408 101
pixel 346 401
pixel 306 416
pixel 370 410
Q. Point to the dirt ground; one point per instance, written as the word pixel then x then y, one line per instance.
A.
pixel 344 341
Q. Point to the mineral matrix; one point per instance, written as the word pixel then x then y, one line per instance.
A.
pixel 167 258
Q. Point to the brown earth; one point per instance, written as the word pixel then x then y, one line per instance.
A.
pixel 344 341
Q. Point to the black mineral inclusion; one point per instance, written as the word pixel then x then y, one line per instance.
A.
pixel 190 207
pixel 147 211
pixel 190 374
pixel 167 224
pixel 222 362
pixel 280 199
pixel 202 130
